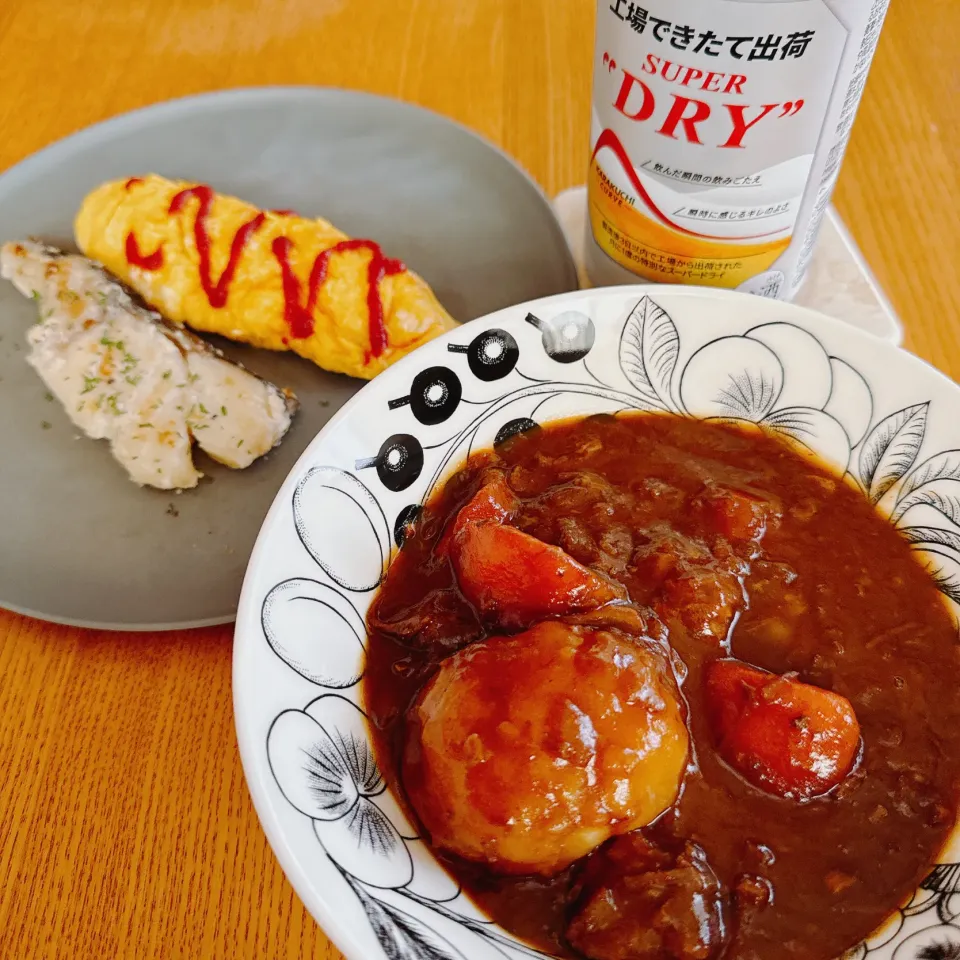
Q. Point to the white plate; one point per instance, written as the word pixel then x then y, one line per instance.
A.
pixel 327 541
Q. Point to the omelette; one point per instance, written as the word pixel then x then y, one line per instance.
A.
pixel 269 278
pixel 125 375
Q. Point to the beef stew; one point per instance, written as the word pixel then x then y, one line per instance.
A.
pixel 812 656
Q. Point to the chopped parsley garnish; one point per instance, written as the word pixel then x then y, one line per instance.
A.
pixel 167 374
pixel 239 444
pixel 193 377
pixel 48 396
pixel 112 404
pixel 133 381
pixel 223 411
pixel 203 409
pixel 35 295
pixel 145 426
pixel 102 298
pixel 45 424
pixel 107 342
pixel 89 384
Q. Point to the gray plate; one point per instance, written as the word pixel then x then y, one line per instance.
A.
pixel 80 543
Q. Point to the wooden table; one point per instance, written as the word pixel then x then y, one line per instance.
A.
pixel 126 829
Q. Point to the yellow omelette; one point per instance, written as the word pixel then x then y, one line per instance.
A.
pixel 272 279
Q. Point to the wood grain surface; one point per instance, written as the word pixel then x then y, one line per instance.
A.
pixel 126 830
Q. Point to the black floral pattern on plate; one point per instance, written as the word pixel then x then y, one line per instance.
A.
pixel 778 376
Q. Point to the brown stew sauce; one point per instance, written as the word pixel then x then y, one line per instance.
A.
pixel 835 596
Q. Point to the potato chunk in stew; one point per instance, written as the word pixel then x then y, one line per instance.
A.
pixel 639 901
pixel 786 737
pixel 527 752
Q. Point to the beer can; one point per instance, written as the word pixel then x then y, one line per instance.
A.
pixel 717 133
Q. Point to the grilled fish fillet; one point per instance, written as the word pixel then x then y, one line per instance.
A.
pixel 271 279
pixel 125 375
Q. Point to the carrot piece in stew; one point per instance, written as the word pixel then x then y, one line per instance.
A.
pixel 785 737
pixel 739 516
pixel 494 501
pixel 516 580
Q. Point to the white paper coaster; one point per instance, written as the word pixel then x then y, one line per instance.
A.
pixel 840 283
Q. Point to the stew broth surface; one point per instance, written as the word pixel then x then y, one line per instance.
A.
pixel 836 596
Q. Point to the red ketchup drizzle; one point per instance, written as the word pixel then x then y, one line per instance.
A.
pixel 298 316
pixel 145 261
pixel 216 293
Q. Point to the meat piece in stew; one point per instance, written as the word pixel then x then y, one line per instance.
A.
pixel 639 901
pixel 692 589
